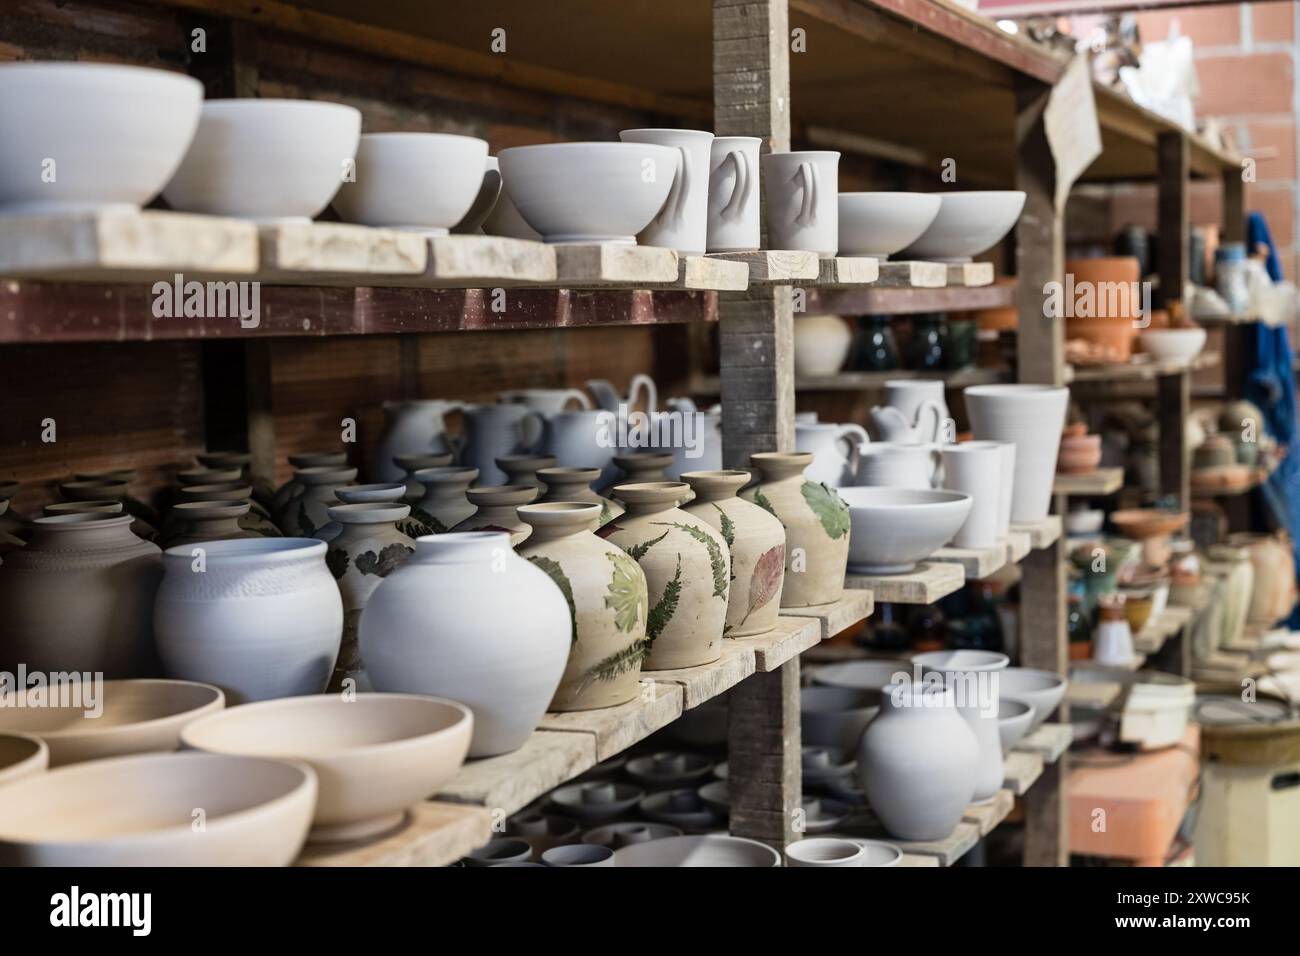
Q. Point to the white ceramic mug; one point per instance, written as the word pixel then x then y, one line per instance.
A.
pixel 682 223
pixel 975 468
pixel 733 224
pixel 1006 485
pixel 803 209
pixel 891 465
pixel 834 448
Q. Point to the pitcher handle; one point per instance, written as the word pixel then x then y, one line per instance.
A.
pixel 579 396
pixel 740 190
pixel 808 206
pixel 847 432
pixel 929 405
pixel 534 419
pixel 936 465
pixel 642 382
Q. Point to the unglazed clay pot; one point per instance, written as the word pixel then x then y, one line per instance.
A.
pixel 606 593
pixel 367 549
pixel 688 569
pixel 410 464
pixel 465 617
pixel 973 678
pixel 444 504
pixel 103 488
pixel 411 429
pixel 821 344
pixel 308 512
pixel 644 466
pixel 1274 593
pixel 208 521
pixel 259 618
pixel 1078 454
pixel 816 524
pixel 311 459
pixel 21 756
pixel 257 519
pixel 1032 416
pixel 522 469
pixel 496 511
pixel 11 523
pixel 918 761
pixel 574 484
pixel 380 493
pixel 79 597
pixel 757 543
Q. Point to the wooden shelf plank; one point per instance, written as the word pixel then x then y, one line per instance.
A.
pixel 946 852
pixel 337 253
pixel 930 581
pixel 472 262
pixel 629 266
pixel 1021 769
pixel 987 816
pixel 847 271
pixel 514 780
pixel 913 275
pixel 1103 481
pixel 707 681
pixel 1042 534
pixel 790 638
pixel 1153 636
pixel 970 274
pixel 1019 544
pixel 851 608
pixel 705 272
pixel 977 563
pixel 617 728
pixel 1092 693
pixel 434 833
pixel 879 299
pixel 1049 741
pixel 918 859
pixel 1141 369
pixel 775 266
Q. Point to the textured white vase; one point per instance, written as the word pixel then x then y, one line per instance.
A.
pixel 973 677
pixel 259 617
pixel 1032 416
pixel 467 618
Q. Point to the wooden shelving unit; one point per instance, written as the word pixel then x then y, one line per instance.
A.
pixel 1103 481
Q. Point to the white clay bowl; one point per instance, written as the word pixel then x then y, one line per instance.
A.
pixel 1015 719
pixel 871 676
pixel 1172 345
pixel 130 717
pixel 967 224
pixel 266 160
pixel 419 181
pixel 114 135
pixel 891 529
pixel 21 756
pixel 881 224
pixel 712 849
pixel 1042 690
pixel 375 755
pixel 588 192
pixel 159 810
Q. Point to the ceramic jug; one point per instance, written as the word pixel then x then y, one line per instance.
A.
pixel 492 431
pixel 548 401
pixel 586 439
pixel 411 427
pixel 923 405
pixel 972 676
pixel 682 223
pixel 734 223
pixel 641 387
pixel 893 465
pixel 700 434
pixel 834 449
pixel 802 192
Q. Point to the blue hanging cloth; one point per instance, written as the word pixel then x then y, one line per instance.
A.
pixel 1270 385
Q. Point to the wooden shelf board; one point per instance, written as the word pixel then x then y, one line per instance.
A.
pixel 337 253
pixel 878 300
pixel 930 581
pixel 1049 741
pixel 1218 488
pixel 434 833
pixel 617 728
pixel 1019 544
pixel 514 780
pixel 775 266
pixel 484 262
pixel 847 271
pixel 857 381
pixel 977 563
pixel 851 608
pixel 705 272
pixel 707 681
pixel 987 816
pixel 790 638
pixel 1137 371
pixel 946 852
pixel 913 275
pixel 1021 769
pixel 1152 637
pixel 1092 693
pixel 970 274
pixel 1103 481
pixel 1042 534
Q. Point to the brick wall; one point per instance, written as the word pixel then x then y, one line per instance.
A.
pixel 1248 62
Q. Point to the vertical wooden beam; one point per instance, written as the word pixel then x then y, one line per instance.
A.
pixel 1173 404
pixel 1234 207
pixel 1173 216
pixel 751 97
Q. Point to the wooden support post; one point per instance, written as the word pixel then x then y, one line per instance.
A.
pixel 261 420
pixel 1173 404
pixel 764 775
pixel 1234 207
pixel 1173 216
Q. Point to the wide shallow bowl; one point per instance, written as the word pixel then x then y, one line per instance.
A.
pixel 183 809
pixel 967 223
pixel 21 756
pixel 420 181
pixel 825 851
pixel 891 529
pixel 1172 345
pixel 713 849
pixel 269 160
pixel 511 851
pixel 1015 718
pixel 375 755
pixel 880 224
pixel 126 717
pixel 871 676
pixel 596 801
pixel 1141 523
pixel 90 136
pixel 588 192
pixel 579 854
pixel 623 834
pixel 835 717
pixel 1042 690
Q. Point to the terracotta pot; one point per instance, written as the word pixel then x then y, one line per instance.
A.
pixel 1078 454
pixel 208 521
pixel 79 597
pixel 608 603
pixel 312 459
pixel 444 504
pixel 466 617
pixel 257 519
pixel 574 484
pixel 687 568
pixel 1274 594
pixel 367 549
pixel 1216 451
pixel 307 513
pixel 816 524
pixel 1110 324
pixel 757 543
pixel 496 511
pixel 522 469
pixel 410 464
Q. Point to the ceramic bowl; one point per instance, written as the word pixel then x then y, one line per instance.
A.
pixel 542 831
pixel 822 766
pixel 669 769
pixel 375 754
pixel 588 192
pixel 418 181
pixel 500 852
pixel 684 808
pixel 134 716
pixel 141 811
pixel 1172 345
pixel 579 854
pixel 1140 523
pixel 825 851
pixel 894 528
pixel 967 223
pixel 268 160
pixel 115 133
pixel 870 676
pixel 596 801
pixel 1015 718
pixel 617 835
pixel 21 756
pixel 1042 690
pixel 821 814
pixel 1084 521
pixel 712 849
pixel 835 717
pixel 879 853
pixel 880 224
pixel 716 796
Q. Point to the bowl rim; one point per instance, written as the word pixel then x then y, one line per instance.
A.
pixel 941 497
pixel 617 146
pixel 102 732
pixel 225 104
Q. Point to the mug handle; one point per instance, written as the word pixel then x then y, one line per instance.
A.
pixel 579 396
pixel 742 187
pixel 808 207
pixel 674 210
pixel 936 466
pixel 929 405
pixel 848 431
pixel 642 382
pixel 535 446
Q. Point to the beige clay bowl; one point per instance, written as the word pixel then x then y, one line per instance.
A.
pixel 138 716
pixel 375 755
pixel 21 756
pixel 159 810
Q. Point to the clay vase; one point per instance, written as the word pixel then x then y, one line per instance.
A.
pixel 972 676
pixel 367 549
pixel 11 523
pixel 307 513
pixel 410 464
pixel 311 459
pixel 495 511
pixel 608 603
pixel 467 618
pixel 443 505
pixel 383 493
pixel 917 762
pixel 105 507
pixel 262 490
pixel 522 469
pixel 100 489
pixel 757 543
pixel 688 573
pixel 79 597
pixel 574 484
pixel 257 520
pixel 260 618
pixel 196 521
pixel 1237 570
pixel 1078 454
pixel 643 466
pixel 816 524
pixel 411 428
pixel 1274 594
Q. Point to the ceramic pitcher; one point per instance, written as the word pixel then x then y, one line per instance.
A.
pixel 923 406
pixel 733 224
pixel 700 434
pixel 586 439
pixel 834 449
pixel 893 465
pixel 641 386
pixel 682 223
pixel 548 401
pixel 410 427
pixel 493 431
pixel 802 192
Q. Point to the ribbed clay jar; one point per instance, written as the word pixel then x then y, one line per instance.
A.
pixel 687 568
pixel 606 593
pixel 816 523
pixel 192 521
pixel 496 511
pixel 757 543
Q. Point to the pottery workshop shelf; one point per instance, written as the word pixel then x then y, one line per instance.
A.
pixel 852 608
pixel 870 300
pixel 1102 481
pixel 1049 741
pixel 1042 534
pixel 1138 371
pixel 1227 482
pixel 434 833
pixel 1152 637
pixel 930 581
pixel 977 563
